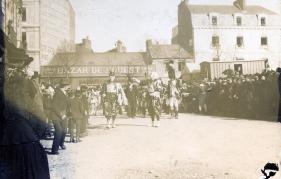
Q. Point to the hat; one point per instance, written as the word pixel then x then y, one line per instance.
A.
pixel 35 75
pixel 78 92
pixel 63 83
pixel 111 73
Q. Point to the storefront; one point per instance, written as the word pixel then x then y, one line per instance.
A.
pixel 93 69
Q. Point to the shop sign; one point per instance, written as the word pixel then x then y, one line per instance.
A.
pixel 88 71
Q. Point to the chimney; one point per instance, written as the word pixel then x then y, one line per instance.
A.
pixel 240 4
pixel 148 44
pixel 87 43
pixel 120 47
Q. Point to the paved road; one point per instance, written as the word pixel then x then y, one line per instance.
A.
pixel 191 147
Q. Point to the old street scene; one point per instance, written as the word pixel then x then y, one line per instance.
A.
pixel 178 89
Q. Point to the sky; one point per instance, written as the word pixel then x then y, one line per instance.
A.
pixel 134 21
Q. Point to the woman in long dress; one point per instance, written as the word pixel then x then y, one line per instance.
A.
pixel 21 154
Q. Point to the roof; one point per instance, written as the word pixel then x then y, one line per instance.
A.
pixel 168 52
pixel 228 9
pixel 99 59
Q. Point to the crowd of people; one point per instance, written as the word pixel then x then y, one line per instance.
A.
pixel 38 109
pixel 241 96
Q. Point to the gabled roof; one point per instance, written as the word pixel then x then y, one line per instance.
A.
pixel 228 9
pixel 168 52
pixel 99 59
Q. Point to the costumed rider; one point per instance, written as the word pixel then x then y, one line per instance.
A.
pixel 154 90
pixel 173 90
pixel 113 97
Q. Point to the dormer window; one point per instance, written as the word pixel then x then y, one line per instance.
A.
pixel 263 21
pixel 239 21
pixel 214 20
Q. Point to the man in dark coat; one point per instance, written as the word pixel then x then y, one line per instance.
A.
pixel 77 113
pixel 171 71
pixel 131 93
pixel 85 104
pixel 278 70
pixel 59 116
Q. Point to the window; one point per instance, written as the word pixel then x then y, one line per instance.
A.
pixel 23 14
pixel 239 21
pixel 264 41
pixel 216 59
pixel 23 37
pixel 215 41
pixel 239 41
pixel 214 20
pixel 238 68
pixel 263 21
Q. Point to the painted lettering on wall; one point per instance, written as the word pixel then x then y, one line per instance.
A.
pixel 88 71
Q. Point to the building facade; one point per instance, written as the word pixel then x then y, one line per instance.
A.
pixel 48 27
pixel 12 20
pixel 237 32
pixel 159 55
pixel 85 67
pixel 11 51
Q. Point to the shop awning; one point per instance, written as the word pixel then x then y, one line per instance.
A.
pixel 16 57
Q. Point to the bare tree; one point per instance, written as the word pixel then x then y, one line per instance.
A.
pixel 67 53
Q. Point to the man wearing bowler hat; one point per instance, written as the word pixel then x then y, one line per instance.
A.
pixel 59 116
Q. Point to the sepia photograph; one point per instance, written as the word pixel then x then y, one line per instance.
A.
pixel 140 89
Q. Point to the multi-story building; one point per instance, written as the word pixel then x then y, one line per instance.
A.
pixel 237 33
pixel 12 16
pixel 48 27
pixel 11 50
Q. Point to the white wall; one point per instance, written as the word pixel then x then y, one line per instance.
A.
pixel 228 31
pixel 274 5
pixel 48 27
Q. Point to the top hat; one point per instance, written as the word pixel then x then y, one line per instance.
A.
pixel 35 75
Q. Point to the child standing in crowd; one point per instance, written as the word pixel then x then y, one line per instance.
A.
pixel 77 113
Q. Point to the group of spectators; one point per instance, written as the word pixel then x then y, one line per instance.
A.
pixel 244 96
pixel 67 110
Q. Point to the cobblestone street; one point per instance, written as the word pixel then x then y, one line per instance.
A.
pixel 191 147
